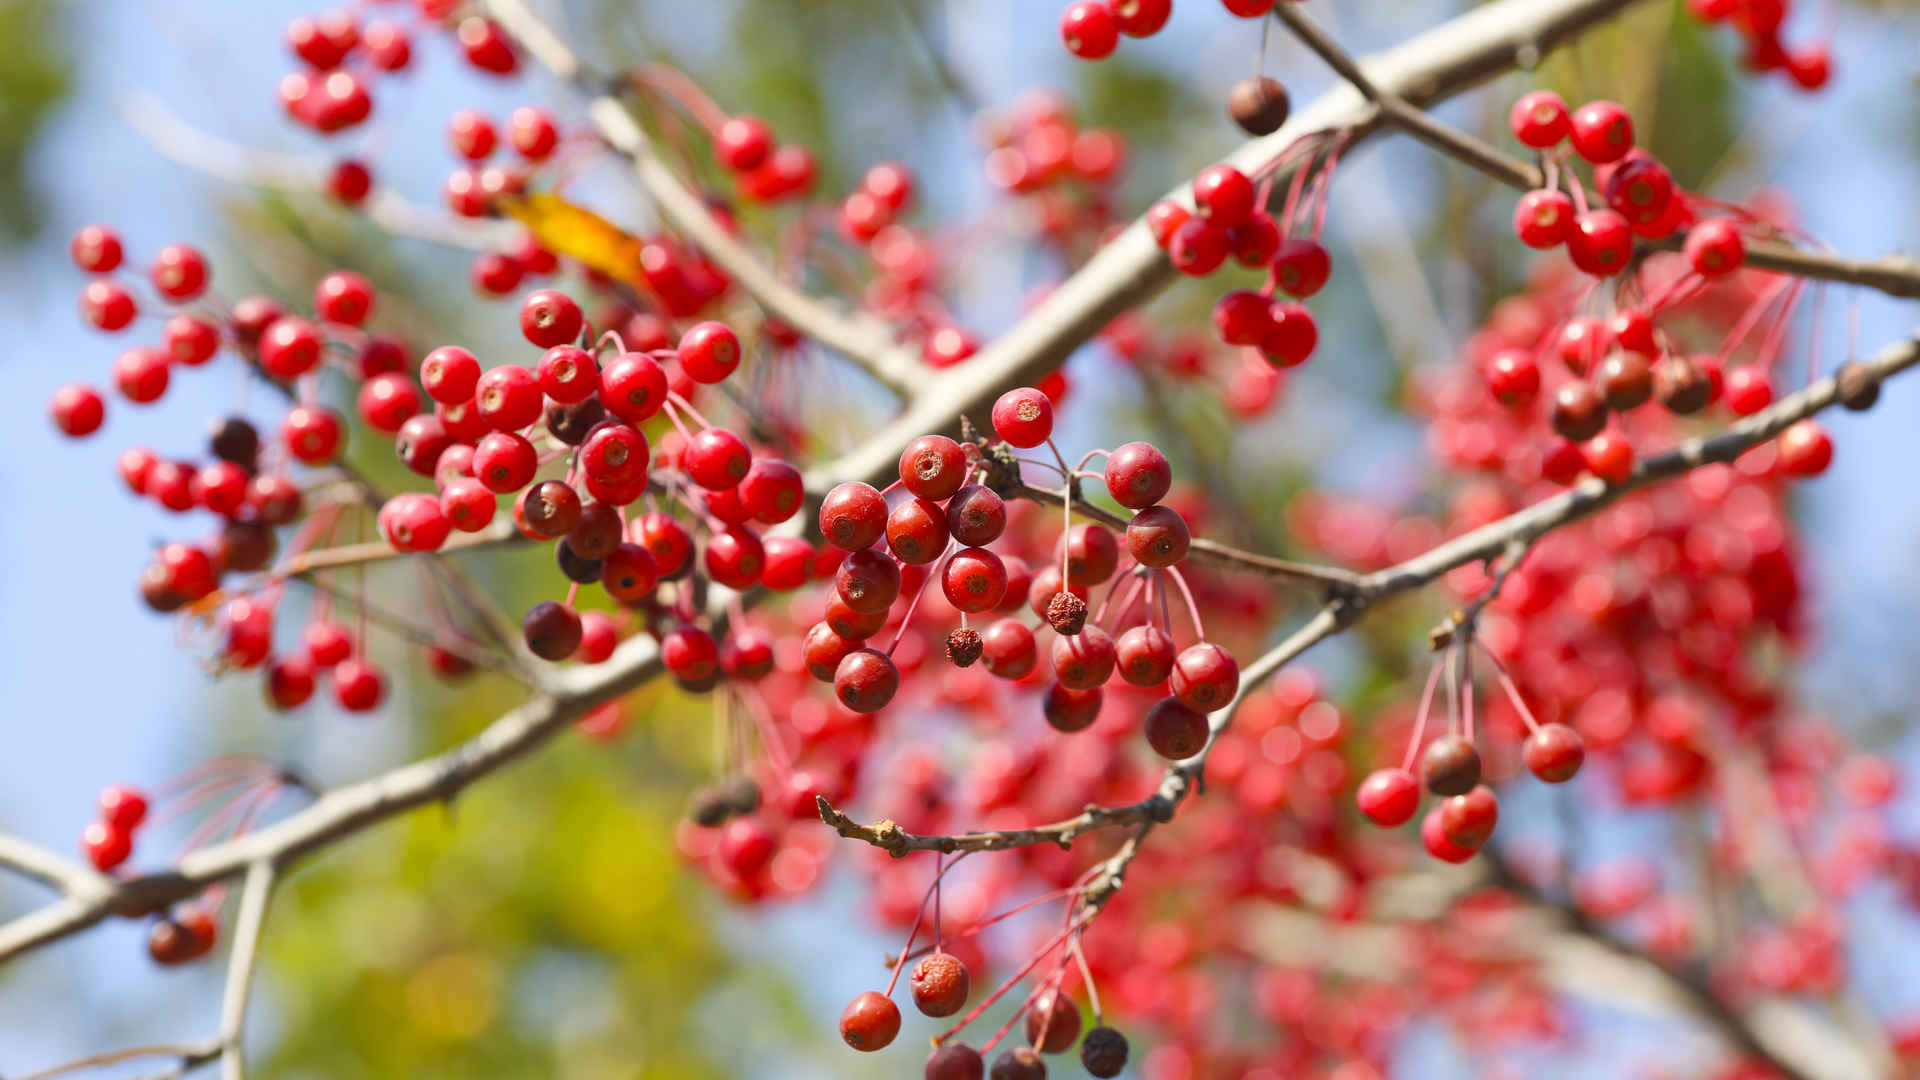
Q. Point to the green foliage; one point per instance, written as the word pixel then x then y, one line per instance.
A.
pixel 32 82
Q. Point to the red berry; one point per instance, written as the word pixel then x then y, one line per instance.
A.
pixel 450 375
pixel 504 462
pixel 974 580
pixel 550 318
pixel 1389 797
pixel 1008 650
pixel 1175 730
pixel 865 681
pixel 343 297
pixel 1089 29
pixel 633 387
pixel 1301 267
pixel 1138 475
pixel 976 516
pixel 179 272
pixel 312 434
pixel 358 685
pixel 1554 753
pixel 939 984
pixel 1144 655
pixel 1609 456
pixel 1433 834
pixel 1543 218
pixel 1158 537
pixel 1023 417
pixel 1539 119
pixel 1291 335
pixel 716 459
pixel 1205 676
pixel 789 563
pixel 1601 131
pixel 290 681
pixel 96 249
pixel 1468 820
pixel 387 401
pixel 1450 766
pixel 190 341
pixel 472 134
pixel 1053 1022
pixel 709 352
pixel 349 181
pixel 1600 243
pixel 122 807
pixel 486 46
pixel 691 656
pixel 1085 660
pixel 665 540
pixel 1513 377
pixel 1714 248
pixel 1141 18
pixel 1255 241
pixel 78 410
pixel 1805 449
pixel 1198 246
pixel 1164 219
pixel 107 305
pixel 508 398
pixel 290 347
pixel 870 1022
pixel 1223 195
pixel 413 521
pixel 388 45
pixel 743 143
pixel 1240 317
pixel 1748 390
pixel 933 467
pixel 105 846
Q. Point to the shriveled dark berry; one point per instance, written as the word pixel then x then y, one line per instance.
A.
pixel 1066 613
pixel 1104 1052
pixel 1450 766
pixel 964 646
pixel 552 630
pixel 1259 105
pixel 244 546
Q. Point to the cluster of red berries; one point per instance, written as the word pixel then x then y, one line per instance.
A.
pixel 948 518
pixel 177 937
pixel 1760 22
pixel 768 171
pixel 1229 219
pixel 1091 29
pixel 344 59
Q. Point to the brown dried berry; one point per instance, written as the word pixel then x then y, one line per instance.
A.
pixel 709 807
pixel 1259 105
pixel 1053 1023
pixel 571 423
pixel 1858 388
pixel 552 630
pixel 964 646
pixel 1627 380
pixel 1681 386
pixel 1104 1052
pixel 940 984
pixel 1450 766
pixel 1579 412
pixel 1067 613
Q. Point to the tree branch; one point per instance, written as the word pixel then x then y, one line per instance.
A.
pixel 1895 275
pixel 240 966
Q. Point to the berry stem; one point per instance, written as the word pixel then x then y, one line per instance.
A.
pixel 674 396
pixel 1193 609
pixel 1420 718
pixel 1506 683
pixel 1086 976
pixel 919 916
pixel 1012 980
pixel 907 619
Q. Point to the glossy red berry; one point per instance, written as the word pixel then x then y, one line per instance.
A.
pixel 550 318
pixel 743 143
pixel 1609 456
pixel 633 387
pixel 933 467
pixel 1543 219
pixel 1164 219
pixel 1539 119
pixel 1053 1022
pixel 1085 660
pixel 508 398
pixel 1145 655
pixel 358 685
pixel 552 631
pixel 1748 389
pixel 1513 377
pixel 866 680
pixel 1023 417
pixel 1008 649
pixel 1805 449
pixel 1240 317
pixel 1223 195
pixel 77 409
pixel 716 459
pixel 1291 336
pixel 1089 29
pixel 1138 475
pixel 870 1022
pixel 1601 131
pixel 178 272
pixel 976 515
pixel 1468 820
pixel 106 846
pixel 1301 267
pixel 1389 797
pixel 1205 677
pixel 1554 753
pixel 96 249
pixel 1601 242
pixel 312 434
pixel 974 580
pixel 122 807
pixel 1714 248
pixel 709 352
pixel 691 656
pixel 1198 246
pixel 1433 835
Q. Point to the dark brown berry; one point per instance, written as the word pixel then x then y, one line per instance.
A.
pixel 1681 386
pixel 1259 105
pixel 742 794
pixel 1066 613
pixel 1579 412
pixel 1858 388
pixel 243 547
pixel 955 1061
pixel 1019 1063
pixel 964 646
pixel 552 630
pixel 571 423
pixel 1450 766
pixel 575 567
pixel 1627 380
pixel 1053 1023
pixel 1104 1052
pixel 237 441
pixel 709 807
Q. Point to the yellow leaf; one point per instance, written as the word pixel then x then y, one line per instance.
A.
pixel 578 233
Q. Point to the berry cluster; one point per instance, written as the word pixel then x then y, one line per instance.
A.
pixel 1091 29
pixel 1760 22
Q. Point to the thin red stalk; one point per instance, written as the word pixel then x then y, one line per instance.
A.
pixel 1506 683
pixel 1193 609
pixel 907 619
pixel 675 398
pixel 932 891
pixel 1012 980
pixel 1420 718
